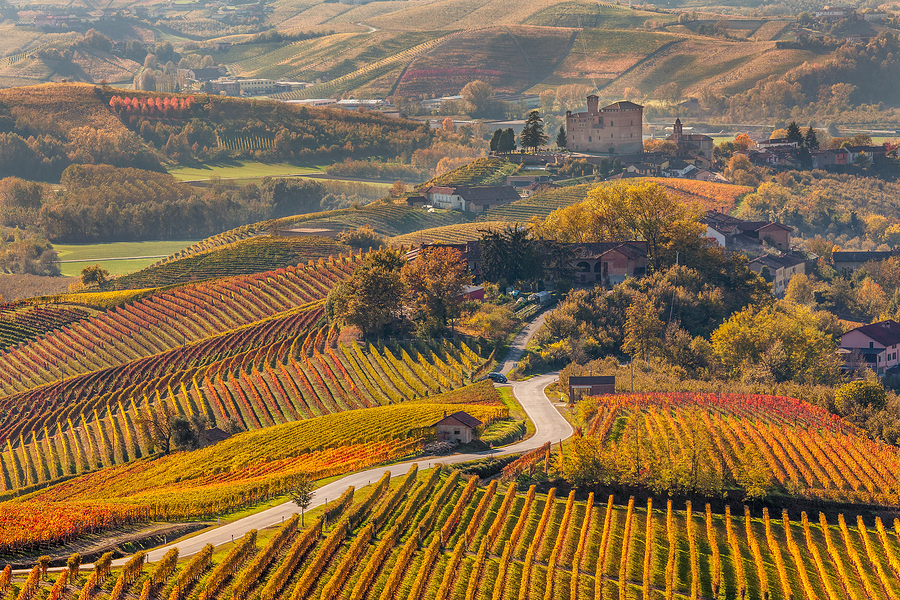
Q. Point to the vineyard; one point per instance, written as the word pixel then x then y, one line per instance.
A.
pixel 482 171
pixel 20 324
pixel 274 372
pixel 435 535
pixel 240 257
pixel 245 142
pixel 240 471
pixel 449 234
pixel 387 219
pixel 804 450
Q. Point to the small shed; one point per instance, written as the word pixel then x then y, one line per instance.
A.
pixel 591 385
pixel 459 427
pixel 416 201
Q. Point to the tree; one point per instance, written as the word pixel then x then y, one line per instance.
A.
pixel 532 135
pixel 478 95
pixel 753 475
pixel 184 436
pixel 159 422
pixel 510 254
pixel 799 290
pixel 302 492
pixel 371 299
pixel 859 395
pixel 787 338
pixel 507 141
pixel 561 139
pixel 398 188
pixel 362 237
pixel 794 134
pixel 811 140
pixel 495 140
pixel 643 328
pixel 94 275
pixel 862 160
pixel 434 284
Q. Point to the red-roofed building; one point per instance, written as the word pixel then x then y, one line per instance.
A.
pixel 877 342
pixel 459 427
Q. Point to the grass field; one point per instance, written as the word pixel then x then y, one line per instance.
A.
pixel 242 169
pixel 110 256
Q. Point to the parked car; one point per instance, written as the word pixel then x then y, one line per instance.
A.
pixel 496 377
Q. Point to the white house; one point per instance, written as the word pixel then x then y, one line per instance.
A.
pixel 470 199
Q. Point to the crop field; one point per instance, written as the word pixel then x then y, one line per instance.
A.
pixel 701 61
pixel 241 169
pixel 449 234
pixel 22 323
pixel 595 15
pixel 252 255
pixel 539 204
pixel 510 59
pixel 602 55
pixel 806 450
pixel 436 535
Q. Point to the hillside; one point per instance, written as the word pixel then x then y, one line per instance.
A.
pixel 432 534
pixel 481 171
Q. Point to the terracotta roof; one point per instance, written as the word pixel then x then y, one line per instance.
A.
pixel 886 333
pixel 777 261
pixel 862 256
pixel 622 105
pixel 592 380
pixel 463 417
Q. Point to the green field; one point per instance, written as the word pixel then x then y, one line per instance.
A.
pixel 110 255
pixel 242 170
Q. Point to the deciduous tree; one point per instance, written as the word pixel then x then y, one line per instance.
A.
pixel 371 299
pixel 434 283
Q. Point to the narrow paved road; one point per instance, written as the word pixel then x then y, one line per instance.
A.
pixel 517 348
pixel 550 426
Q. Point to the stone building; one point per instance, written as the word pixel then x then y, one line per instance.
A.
pixel 616 128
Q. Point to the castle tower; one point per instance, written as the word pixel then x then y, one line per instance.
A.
pixel 593 105
pixel 678 130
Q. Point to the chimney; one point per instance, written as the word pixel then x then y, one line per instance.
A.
pixel 445 414
pixel 593 104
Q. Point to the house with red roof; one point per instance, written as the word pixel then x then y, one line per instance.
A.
pixel 877 344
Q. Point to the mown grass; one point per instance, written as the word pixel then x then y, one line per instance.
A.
pixel 115 250
pixel 242 169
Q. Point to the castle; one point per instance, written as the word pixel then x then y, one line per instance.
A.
pixel 616 128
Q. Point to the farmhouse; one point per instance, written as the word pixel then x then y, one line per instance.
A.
pixel 459 427
pixel 616 128
pixel 876 343
pixel 610 263
pixel 470 199
pixel 590 385
pixel 738 235
pixel 778 270
pixel 847 262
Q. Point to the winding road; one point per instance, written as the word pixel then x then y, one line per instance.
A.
pixel 550 426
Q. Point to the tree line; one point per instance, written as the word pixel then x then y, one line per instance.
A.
pixel 99 203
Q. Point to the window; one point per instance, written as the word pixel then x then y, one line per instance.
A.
pixel 611 124
pixel 871 344
pixel 456 432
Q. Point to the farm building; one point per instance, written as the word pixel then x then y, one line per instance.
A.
pixel 738 235
pixel 470 199
pixel 596 129
pixel 876 344
pixel 609 263
pixel 590 385
pixel 459 427
pixel 780 270
pixel 847 262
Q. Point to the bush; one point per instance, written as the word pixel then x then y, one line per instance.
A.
pixel 851 397
pixel 503 432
